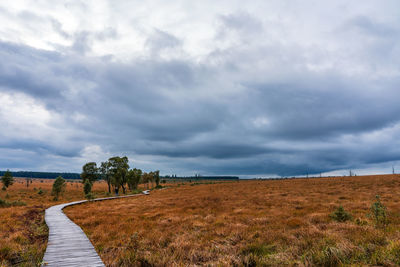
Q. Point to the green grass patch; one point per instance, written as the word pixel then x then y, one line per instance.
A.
pixel 6 204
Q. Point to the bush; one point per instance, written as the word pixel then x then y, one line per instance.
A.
pixel 87 187
pixel 89 196
pixel 58 187
pixel 7 179
pixel 361 222
pixel 6 204
pixel 379 213
pixel 40 192
pixel 340 215
pixel 136 191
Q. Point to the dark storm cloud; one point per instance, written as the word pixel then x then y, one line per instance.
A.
pixel 19 70
pixel 215 150
pixel 40 147
pixel 326 108
pixel 154 108
pixel 254 105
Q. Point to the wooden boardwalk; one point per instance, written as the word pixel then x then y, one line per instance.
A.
pixel 68 245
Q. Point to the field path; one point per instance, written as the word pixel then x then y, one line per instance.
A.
pixel 68 245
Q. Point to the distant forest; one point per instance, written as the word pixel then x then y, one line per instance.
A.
pixel 44 175
pixel 67 175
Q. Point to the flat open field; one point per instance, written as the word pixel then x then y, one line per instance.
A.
pixel 23 233
pixel 253 223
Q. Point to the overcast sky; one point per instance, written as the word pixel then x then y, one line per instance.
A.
pixel 249 88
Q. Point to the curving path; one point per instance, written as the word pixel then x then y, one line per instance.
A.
pixel 68 245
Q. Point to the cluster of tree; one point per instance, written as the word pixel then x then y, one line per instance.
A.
pixel 118 174
pixel 43 175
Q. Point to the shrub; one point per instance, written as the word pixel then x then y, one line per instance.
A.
pixel 58 187
pixel 40 192
pixel 379 213
pixel 340 215
pixel 136 191
pixel 6 204
pixel 7 179
pixel 87 187
pixel 89 196
pixel 361 222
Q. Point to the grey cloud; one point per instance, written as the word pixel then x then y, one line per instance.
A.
pixel 160 40
pixel 316 109
pixel 148 109
pixel 368 26
pixel 57 26
pixel 82 42
pixel 19 71
pixel 40 147
pixel 242 23
pixel 251 107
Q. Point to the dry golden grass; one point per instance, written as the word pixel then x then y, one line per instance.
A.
pixel 23 233
pixel 248 223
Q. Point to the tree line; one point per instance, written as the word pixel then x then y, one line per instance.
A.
pixel 42 175
pixel 118 175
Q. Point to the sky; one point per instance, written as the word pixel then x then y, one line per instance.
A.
pixel 259 88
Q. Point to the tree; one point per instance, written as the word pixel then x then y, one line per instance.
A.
pixel 151 178
pixel 89 172
pixel 119 169
pixel 147 178
pixel 157 177
pixel 379 213
pixel 87 187
pixel 58 187
pixel 340 215
pixel 7 179
pixel 105 173
pixel 134 177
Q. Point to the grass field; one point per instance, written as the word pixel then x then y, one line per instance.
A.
pixel 23 233
pixel 250 223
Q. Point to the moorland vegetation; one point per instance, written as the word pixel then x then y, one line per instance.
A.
pixel 343 221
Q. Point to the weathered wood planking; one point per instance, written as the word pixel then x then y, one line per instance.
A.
pixel 68 245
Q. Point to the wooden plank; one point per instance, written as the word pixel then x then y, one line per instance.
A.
pixel 68 245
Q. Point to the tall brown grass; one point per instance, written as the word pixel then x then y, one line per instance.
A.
pixel 23 233
pixel 248 223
